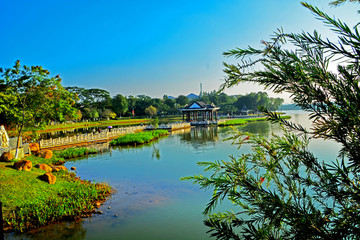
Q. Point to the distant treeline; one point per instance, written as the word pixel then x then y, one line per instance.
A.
pixel 97 103
pixel 289 107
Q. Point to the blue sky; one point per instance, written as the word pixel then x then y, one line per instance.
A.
pixel 147 47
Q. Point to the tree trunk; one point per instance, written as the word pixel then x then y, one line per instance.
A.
pixel 18 143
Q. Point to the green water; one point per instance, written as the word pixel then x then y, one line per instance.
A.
pixel 150 201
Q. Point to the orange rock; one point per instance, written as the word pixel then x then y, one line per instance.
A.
pixel 47 154
pixel 58 168
pixel 6 157
pixel 25 165
pixel 48 177
pixel 73 168
pixel 34 147
pixel 44 167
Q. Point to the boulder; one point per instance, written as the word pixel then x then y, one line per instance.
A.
pixel 6 157
pixel 73 168
pixel 25 165
pixel 44 167
pixel 47 154
pixel 34 148
pixel 58 168
pixel 48 177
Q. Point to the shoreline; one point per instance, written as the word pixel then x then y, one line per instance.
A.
pixel 37 203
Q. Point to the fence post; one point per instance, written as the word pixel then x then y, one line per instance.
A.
pixel 2 237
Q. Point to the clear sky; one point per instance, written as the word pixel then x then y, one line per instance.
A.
pixel 147 47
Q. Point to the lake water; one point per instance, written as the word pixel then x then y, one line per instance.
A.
pixel 150 201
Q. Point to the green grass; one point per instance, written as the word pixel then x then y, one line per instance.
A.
pixel 29 202
pixel 103 123
pixel 138 138
pixel 243 121
pixel 75 152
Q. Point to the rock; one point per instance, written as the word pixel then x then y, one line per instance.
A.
pixel 73 168
pixel 25 165
pixel 34 147
pixel 58 168
pixel 44 167
pixel 47 154
pixel 6 157
pixel 48 177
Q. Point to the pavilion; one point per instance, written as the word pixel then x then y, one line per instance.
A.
pixel 199 111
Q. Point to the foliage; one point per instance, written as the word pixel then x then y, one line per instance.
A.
pixel 280 189
pixel 253 101
pixel 155 122
pixel 239 103
pixel 151 111
pixel 138 138
pixel 119 105
pixel 75 152
pixel 108 113
pixel 339 2
pixel 29 202
pixel 32 98
pixel 182 100
pixel 91 98
pixel 94 102
pixel 78 115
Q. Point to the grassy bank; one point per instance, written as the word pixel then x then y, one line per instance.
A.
pixel 243 121
pixel 138 138
pixel 29 202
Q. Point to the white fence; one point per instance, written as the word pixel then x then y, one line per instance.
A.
pixel 88 138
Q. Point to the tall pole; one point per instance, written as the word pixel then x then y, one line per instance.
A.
pixel 2 237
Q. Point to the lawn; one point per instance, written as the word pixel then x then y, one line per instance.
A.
pixel 242 121
pixel 29 202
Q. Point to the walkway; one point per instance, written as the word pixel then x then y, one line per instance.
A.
pixel 88 138
pixel 104 135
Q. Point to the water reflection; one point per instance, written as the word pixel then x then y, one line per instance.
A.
pixel 67 132
pixel 66 230
pixel 200 136
pixel 150 202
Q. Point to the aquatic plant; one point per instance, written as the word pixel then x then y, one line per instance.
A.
pixel 76 152
pixel 138 138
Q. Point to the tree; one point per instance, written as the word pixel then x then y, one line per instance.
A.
pixel 119 105
pixel 151 111
pixel 182 100
pixel 285 191
pixel 92 98
pixel 339 2
pixel 33 98
pixel 254 101
pixel 108 113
